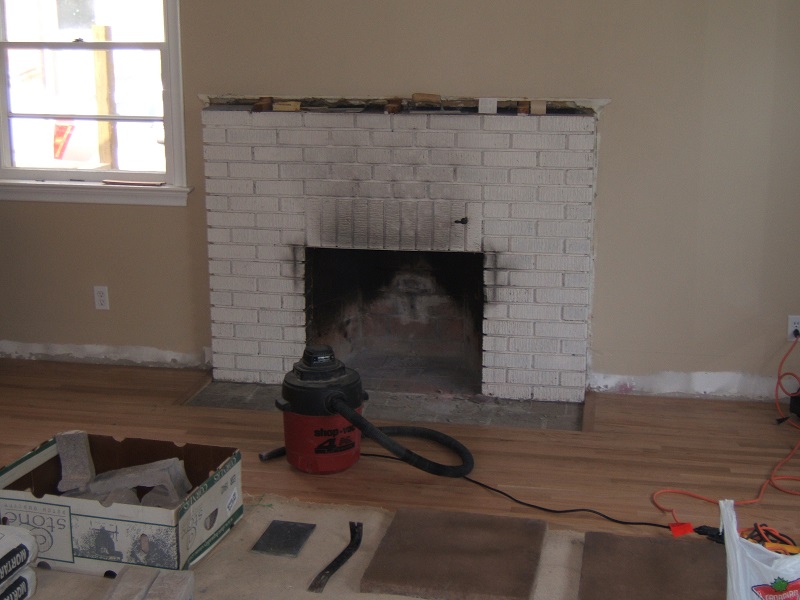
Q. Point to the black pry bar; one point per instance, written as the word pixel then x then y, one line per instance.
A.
pixel 321 580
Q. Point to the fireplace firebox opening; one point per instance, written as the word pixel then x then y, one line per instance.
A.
pixel 408 321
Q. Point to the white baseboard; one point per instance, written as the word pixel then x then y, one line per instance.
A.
pixel 95 353
pixel 667 383
pixel 739 386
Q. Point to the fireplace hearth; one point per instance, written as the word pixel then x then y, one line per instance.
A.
pixel 513 192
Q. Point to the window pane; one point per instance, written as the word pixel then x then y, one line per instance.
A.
pixel 90 20
pixel 88 145
pixel 86 82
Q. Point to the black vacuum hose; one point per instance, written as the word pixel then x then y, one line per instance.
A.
pixel 336 404
pixel 381 436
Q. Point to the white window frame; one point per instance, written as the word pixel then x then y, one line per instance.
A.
pixel 33 185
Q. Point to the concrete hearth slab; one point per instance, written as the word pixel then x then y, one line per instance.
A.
pixel 416 407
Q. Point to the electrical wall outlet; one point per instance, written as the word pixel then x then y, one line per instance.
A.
pixel 794 323
pixel 101 298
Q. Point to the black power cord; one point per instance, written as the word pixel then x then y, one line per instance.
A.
pixel 382 435
pixel 714 534
pixel 542 508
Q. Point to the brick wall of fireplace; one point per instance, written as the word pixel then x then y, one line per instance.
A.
pixel 277 183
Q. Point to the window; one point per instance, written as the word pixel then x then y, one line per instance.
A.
pixel 92 105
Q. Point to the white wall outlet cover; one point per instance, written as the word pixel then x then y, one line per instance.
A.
pixel 794 323
pixel 101 297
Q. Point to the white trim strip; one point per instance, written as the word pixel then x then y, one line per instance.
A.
pixel 93 193
pixel 727 385
pixel 136 355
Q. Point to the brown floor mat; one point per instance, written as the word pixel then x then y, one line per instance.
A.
pixel 617 566
pixel 448 555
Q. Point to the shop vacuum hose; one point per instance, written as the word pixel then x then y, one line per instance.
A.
pixel 382 436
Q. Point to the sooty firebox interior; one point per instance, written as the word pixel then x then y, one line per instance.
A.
pixel 407 321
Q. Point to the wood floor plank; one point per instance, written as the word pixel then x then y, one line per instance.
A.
pixel 174 385
pixel 636 446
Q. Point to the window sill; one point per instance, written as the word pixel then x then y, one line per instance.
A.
pixel 93 193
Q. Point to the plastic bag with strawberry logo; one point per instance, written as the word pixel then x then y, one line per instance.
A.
pixel 753 571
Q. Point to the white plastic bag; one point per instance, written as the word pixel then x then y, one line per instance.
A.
pixel 753 571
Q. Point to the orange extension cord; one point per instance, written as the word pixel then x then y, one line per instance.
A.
pixel 774 478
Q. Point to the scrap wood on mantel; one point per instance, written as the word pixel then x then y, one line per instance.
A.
pixel 418 102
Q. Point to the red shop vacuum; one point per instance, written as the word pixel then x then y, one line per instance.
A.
pixel 322 401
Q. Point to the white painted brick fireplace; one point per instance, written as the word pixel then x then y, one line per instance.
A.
pixel 279 182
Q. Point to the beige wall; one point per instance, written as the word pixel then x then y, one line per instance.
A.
pixel 151 258
pixel 698 182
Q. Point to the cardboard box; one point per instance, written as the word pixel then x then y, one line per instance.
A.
pixel 81 535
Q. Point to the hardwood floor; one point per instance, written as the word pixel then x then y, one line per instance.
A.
pixel 631 447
